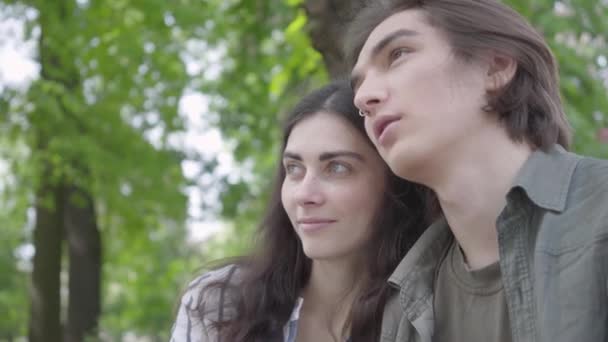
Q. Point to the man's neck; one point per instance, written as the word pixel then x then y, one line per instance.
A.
pixel 472 193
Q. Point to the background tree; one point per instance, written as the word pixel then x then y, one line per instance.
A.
pixel 94 129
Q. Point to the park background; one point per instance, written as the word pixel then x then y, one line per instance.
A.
pixel 137 140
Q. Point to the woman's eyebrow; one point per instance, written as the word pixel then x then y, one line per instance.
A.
pixel 330 155
pixel 291 155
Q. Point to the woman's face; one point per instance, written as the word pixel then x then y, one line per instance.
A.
pixel 333 187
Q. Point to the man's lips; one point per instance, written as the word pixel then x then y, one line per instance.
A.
pixel 382 122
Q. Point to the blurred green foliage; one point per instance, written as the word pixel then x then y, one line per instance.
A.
pixel 256 60
pixel 108 99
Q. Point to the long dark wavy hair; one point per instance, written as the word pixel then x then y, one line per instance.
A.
pixel 274 275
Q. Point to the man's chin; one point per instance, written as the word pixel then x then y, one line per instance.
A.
pixel 406 164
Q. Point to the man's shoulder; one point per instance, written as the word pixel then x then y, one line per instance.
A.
pixel 593 165
pixel 590 183
pixel 584 220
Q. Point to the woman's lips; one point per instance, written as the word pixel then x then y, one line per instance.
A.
pixel 313 225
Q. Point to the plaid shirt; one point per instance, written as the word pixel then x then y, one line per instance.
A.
pixel 190 329
pixel 183 331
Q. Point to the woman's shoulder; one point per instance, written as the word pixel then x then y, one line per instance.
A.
pixel 206 300
pixel 212 289
pixel 220 275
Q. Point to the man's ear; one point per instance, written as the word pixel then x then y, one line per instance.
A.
pixel 501 70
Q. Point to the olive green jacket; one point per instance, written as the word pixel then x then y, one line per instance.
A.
pixel 553 246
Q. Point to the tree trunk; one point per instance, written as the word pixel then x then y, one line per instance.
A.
pixel 45 309
pixel 75 211
pixel 84 249
pixel 327 23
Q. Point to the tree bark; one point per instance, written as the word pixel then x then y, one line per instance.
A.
pixel 84 250
pixel 327 24
pixel 45 309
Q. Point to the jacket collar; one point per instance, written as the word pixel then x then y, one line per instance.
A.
pixel 546 176
pixel 415 274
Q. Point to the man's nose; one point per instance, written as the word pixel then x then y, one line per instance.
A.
pixel 370 94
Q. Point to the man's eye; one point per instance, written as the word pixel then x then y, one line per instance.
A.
pixel 398 53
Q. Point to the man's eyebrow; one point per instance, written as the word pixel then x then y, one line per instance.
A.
pixel 355 78
pixel 331 155
pixel 389 38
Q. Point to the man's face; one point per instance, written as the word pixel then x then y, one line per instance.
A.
pixel 423 103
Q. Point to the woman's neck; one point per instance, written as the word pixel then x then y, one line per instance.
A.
pixel 330 292
pixel 330 281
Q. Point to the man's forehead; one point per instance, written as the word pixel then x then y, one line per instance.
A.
pixel 409 19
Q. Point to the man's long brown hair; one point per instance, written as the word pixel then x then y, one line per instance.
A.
pixel 529 106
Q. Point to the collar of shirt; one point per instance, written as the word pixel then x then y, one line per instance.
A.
pixel 295 314
pixel 290 330
pixel 546 177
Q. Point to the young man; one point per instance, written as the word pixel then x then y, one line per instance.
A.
pixel 463 97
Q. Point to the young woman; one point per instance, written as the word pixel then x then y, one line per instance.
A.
pixel 337 224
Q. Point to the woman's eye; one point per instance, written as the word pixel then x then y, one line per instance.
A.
pixel 293 170
pixel 338 168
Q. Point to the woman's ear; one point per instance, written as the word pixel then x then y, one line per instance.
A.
pixel 501 70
